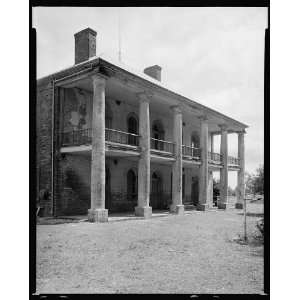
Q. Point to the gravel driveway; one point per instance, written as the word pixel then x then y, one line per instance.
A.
pixel 193 253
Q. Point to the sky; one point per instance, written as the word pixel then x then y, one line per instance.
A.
pixel 212 55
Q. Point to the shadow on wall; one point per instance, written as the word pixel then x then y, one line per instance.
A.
pixel 76 194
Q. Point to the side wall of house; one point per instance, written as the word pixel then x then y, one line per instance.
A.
pixel 44 146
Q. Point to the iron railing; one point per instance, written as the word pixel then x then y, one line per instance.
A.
pixel 161 145
pixel 216 157
pixel 233 161
pixel 77 137
pixel 121 137
pixel 191 151
pixel 84 136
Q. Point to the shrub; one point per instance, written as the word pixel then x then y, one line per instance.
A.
pixel 261 226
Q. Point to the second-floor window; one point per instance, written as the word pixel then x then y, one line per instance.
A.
pixel 132 127
pixel 158 134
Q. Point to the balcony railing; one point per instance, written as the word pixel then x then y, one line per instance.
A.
pixel 161 145
pixel 84 137
pixel 233 161
pixel 77 137
pixel 215 157
pixel 121 137
pixel 191 151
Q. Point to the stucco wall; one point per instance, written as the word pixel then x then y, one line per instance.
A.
pixel 78 110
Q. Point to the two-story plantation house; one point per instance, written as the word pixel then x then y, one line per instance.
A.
pixel 109 139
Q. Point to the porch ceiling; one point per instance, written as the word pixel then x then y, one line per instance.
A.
pixel 123 90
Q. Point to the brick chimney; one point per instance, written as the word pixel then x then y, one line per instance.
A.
pixel 85 45
pixel 154 72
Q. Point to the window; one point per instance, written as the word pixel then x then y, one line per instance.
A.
pixel 158 133
pixel 132 127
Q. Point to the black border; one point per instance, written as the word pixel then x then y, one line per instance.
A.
pixel 32 141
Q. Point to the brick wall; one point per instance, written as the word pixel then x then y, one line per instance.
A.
pixel 44 145
pixel 73 188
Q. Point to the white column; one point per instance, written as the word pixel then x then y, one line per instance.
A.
pixel 143 209
pixel 224 171
pixel 203 169
pixel 210 189
pixel 97 212
pixel 176 205
pixel 212 143
pixel 241 172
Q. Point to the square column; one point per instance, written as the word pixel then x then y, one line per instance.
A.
pixel 97 212
pixel 224 171
pixel 212 143
pixel 143 209
pixel 203 169
pixel 241 172
pixel 176 206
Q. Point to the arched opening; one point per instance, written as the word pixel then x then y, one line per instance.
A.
pixel 132 185
pixel 158 134
pixel 195 190
pixel 107 189
pixel 132 127
pixel 156 191
pixel 195 143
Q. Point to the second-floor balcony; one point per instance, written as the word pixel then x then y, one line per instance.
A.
pixel 233 161
pixel 164 147
pixel 214 157
pixel 123 139
pixel 191 152
pixel 84 137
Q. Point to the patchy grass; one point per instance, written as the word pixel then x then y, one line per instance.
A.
pixel 194 253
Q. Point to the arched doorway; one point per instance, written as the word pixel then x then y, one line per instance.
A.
pixel 156 191
pixel 107 189
pixel 195 190
pixel 132 127
pixel 158 134
pixel 132 186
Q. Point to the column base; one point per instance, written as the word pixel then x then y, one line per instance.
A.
pixel 177 209
pixel 202 206
pixel 98 215
pixel 222 205
pixel 239 205
pixel 145 212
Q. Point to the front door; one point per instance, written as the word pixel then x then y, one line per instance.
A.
pixel 156 192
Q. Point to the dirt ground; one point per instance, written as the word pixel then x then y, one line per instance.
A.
pixel 193 253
